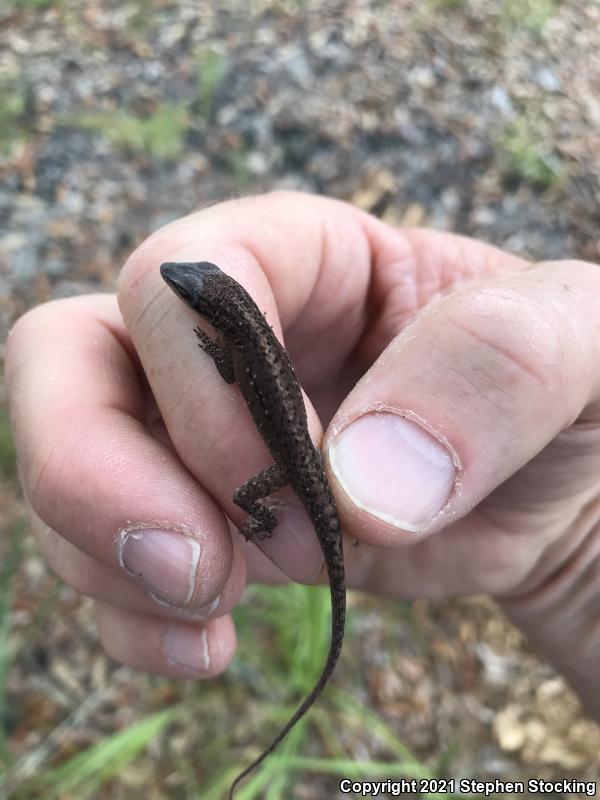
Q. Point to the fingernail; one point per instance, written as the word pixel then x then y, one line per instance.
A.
pixel 393 468
pixel 293 546
pixel 165 562
pixel 187 647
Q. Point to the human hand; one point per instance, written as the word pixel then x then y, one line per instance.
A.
pixel 472 437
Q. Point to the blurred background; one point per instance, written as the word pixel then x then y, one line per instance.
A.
pixel 473 116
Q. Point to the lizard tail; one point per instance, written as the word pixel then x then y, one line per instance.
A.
pixel 338 617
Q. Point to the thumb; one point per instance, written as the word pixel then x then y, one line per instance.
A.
pixel 467 394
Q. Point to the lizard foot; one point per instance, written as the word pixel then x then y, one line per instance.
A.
pixel 253 530
pixel 260 523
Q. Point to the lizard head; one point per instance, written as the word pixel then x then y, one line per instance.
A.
pixel 216 296
pixel 194 283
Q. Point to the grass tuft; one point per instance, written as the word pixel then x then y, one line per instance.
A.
pixel 524 156
pixel 84 774
pixel 531 15
pixel 34 5
pixel 440 5
pixel 212 68
pixel 11 561
pixel 160 135
pixel 13 128
pixel 8 454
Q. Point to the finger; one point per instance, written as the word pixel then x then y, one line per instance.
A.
pixel 90 468
pixel 173 648
pixel 190 393
pixel 472 390
pixel 90 577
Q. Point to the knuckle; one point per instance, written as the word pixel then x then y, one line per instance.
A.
pixel 31 328
pixel 22 330
pixel 512 342
pixel 63 559
pixel 55 468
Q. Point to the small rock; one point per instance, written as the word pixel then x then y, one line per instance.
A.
pixel 422 76
pixel 547 79
pixel 299 69
pixel 500 98
pixel 450 199
pixel 12 242
pixel 498 669
pixel 508 728
pixel 257 163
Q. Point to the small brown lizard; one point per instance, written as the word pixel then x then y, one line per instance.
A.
pixel 247 351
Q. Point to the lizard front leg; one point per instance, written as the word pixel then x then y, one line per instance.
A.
pixel 219 351
pixel 261 521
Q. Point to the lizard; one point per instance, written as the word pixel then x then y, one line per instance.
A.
pixel 247 350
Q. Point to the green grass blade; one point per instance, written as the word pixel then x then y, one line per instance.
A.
pixel 9 568
pixel 104 760
pixel 161 135
pixel 8 453
pixel 353 710
pixel 87 771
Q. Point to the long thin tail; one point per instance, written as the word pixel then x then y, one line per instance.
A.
pixel 338 618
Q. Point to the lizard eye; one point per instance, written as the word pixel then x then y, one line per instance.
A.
pixel 180 291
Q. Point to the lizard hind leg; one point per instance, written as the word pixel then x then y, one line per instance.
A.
pixel 261 521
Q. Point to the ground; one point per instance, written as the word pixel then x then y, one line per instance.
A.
pixel 115 117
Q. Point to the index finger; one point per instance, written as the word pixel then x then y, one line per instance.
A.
pixel 207 420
